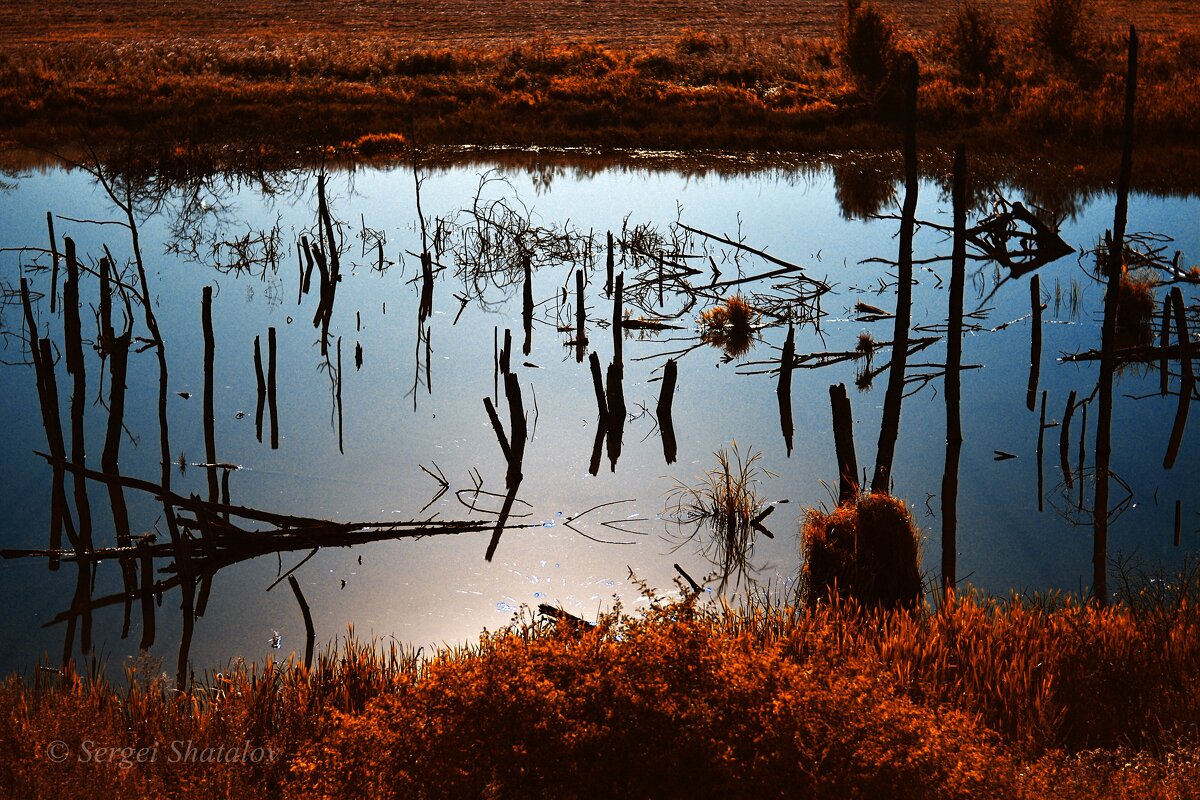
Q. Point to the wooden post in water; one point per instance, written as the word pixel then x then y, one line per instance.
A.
pixel 310 635
pixel 516 427
pixel 954 330
pixel 1064 441
pixel 618 331
pixel 210 428
pixel 615 428
pixel 1040 452
pixel 598 385
pixel 55 259
pixel 60 517
pixel 146 562
pixel 306 269
pixel 262 388
pixel 783 391
pixel 1113 269
pixel 665 397
pixel 527 304
pixel 426 307
pixel 1187 379
pixel 1035 341
pixel 506 353
pixel 272 405
pixel 514 452
pixel 610 263
pixel 843 442
pixel 338 395
pixel 43 368
pixel 889 428
pixel 1082 451
pixel 580 318
pixel 116 349
pixel 73 344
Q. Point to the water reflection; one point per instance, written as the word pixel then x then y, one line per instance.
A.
pixel 638 303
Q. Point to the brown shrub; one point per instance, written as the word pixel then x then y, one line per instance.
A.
pixel 867 44
pixel 1062 27
pixel 972 39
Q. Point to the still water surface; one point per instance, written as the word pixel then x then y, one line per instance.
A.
pixel 414 406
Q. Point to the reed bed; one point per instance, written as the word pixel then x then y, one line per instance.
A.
pixel 979 697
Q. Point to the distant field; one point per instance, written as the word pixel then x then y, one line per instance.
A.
pixel 620 23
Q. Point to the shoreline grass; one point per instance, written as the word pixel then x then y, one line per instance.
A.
pixel 982 697
pixel 697 91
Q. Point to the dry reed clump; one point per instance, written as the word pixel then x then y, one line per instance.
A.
pixel 1135 308
pixel 372 145
pixel 866 549
pixel 730 326
pixel 255 707
pixel 673 705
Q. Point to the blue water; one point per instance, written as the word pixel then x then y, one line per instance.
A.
pixel 397 418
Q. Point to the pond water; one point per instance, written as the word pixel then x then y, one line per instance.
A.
pixel 389 424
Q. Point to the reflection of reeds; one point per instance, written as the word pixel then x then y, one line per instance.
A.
pixel 1071 297
pixel 862 190
pixel 724 501
pixel 729 327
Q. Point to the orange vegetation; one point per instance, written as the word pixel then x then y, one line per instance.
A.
pixel 1135 308
pixel 865 549
pixel 729 327
pixel 226 78
pixel 976 699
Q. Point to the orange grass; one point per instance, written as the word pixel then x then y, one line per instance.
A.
pixel 980 698
pixel 866 549
pixel 696 90
pixel 729 327
pixel 1135 308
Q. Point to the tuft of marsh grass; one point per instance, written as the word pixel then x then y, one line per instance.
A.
pixel 865 549
pixel 724 502
pixel 729 327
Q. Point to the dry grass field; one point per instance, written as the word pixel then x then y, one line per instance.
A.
pixel 461 23
pixel 679 75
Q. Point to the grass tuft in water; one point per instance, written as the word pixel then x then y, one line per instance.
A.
pixel 730 326
pixel 865 549
pixel 723 502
